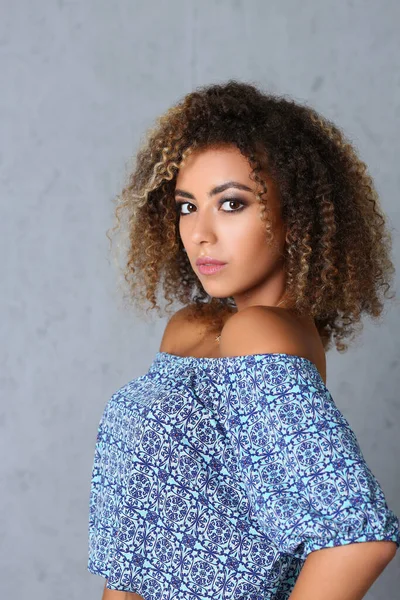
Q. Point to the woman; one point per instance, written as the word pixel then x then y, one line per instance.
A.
pixel 227 471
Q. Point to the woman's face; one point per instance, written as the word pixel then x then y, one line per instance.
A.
pixel 220 219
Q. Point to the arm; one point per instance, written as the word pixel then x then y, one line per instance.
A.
pixel 116 595
pixel 342 573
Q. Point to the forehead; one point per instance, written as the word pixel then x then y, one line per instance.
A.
pixel 214 163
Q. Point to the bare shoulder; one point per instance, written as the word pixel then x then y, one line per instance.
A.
pixel 269 329
pixel 183 332
pixel 177 322
pixel 179 317
pixel 258 330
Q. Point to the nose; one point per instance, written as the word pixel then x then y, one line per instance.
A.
pixel 203 227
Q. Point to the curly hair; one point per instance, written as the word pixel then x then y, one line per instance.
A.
pixel 337 258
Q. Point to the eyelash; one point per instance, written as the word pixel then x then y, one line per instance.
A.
pixel 180 204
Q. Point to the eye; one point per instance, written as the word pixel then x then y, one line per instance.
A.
pixel 224 201
pixel 179 207
pixel 233 200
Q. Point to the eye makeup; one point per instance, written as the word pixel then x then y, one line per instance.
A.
pixel 243 204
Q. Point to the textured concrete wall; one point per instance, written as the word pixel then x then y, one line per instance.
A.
pixel 80 82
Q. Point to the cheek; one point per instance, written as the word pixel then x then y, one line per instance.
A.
pixel 253 251
pixel 250 238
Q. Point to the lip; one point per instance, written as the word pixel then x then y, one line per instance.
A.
pixel 210 269
pixel 208 265
pixel 207 260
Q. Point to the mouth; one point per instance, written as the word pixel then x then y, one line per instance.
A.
pixel 210 269
pixel 207 265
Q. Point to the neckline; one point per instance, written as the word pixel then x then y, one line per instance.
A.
pixel 229 360
pixel 216 359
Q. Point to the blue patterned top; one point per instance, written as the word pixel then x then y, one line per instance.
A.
pixel 214 478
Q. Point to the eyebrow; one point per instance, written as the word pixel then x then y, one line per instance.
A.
pixel 216 190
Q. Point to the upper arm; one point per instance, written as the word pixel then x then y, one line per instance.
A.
pixel 261 330
pixel 119 595
pixel 345 572
pixel 115 595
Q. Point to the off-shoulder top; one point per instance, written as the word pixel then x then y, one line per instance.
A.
pixel 214 478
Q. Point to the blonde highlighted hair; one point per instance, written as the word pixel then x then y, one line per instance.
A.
pixel 337 258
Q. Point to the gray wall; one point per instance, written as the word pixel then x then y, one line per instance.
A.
pixel 80 82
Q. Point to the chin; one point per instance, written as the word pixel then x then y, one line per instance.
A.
pixel 217 294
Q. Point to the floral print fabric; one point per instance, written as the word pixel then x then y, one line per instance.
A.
pixel 214 478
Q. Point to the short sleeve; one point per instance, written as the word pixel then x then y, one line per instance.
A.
pixel 308 484
pixel 108 496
